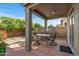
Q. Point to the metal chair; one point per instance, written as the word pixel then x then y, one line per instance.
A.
pixel 52 38
pixel 35 39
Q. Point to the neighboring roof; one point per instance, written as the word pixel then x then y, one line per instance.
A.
pixel 49 10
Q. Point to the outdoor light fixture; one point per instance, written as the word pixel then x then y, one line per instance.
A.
pixel 53 12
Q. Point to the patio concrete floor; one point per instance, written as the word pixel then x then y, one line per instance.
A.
pixel 17 48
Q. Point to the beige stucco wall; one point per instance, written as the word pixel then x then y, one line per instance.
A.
pixel 64 21
pixel 61 31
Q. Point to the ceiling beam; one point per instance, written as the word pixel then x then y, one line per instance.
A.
pixel 71 9
pixel 33 5
pixel 30 5
pixel 36 12
pixel 23 4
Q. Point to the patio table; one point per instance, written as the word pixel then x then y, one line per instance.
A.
pixel 44 35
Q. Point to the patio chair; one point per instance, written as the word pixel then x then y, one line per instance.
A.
pixel 35 39
pixel 52 38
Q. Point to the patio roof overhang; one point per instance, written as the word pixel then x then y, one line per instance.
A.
pixel 46 11
pixel 49 10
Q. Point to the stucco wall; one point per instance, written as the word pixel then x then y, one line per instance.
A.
pixel 61 31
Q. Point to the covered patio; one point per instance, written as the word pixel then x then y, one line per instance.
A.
pixel 47 12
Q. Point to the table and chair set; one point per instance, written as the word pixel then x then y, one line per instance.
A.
pixel 49 38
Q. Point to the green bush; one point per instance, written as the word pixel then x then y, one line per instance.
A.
pixel 3 47
pixel 9 23
pixel 1 37
pixel 36 25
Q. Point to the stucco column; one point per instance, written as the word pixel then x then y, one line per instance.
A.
pixel 28 30
pixel 45 24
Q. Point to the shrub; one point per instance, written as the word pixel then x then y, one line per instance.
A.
pixel 3 45
pixel 36 25
pixel 9 23
pixel 1 37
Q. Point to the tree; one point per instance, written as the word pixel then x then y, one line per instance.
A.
pixel 50 26
pixel 36 25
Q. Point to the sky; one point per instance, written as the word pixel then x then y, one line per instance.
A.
pixel 16 10
pixel 11 9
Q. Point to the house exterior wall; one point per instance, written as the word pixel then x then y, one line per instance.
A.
pixel 74 13
pixel 64 22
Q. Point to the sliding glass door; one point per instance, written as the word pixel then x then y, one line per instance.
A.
pixel 72 31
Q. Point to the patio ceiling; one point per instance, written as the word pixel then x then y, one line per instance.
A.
pixel 50 10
